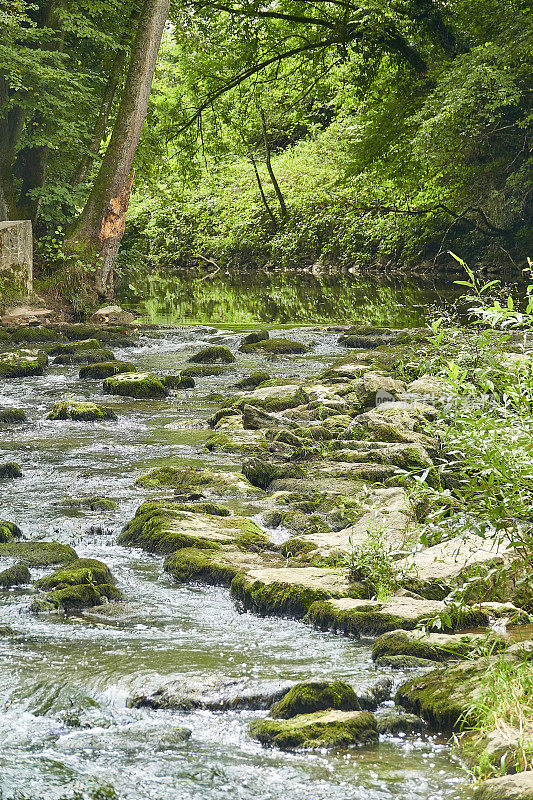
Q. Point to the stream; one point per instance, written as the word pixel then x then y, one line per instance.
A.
pixel 65 725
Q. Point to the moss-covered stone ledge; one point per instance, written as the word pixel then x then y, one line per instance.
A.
pixel 76 411
pixel 367 617
pixel 187 479
pixel 289 591
pixel 38 554
pixel 431 646
pixel 509 787
pixel 323 729
pixel 23 363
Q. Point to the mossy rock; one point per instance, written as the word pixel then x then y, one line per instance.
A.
pixel 192 564
pixel 431 646
pixel 112 335
pixel 74 347
pixel 185 479
pixel 204 370
pixel 75 598
pixel 253 381
pixel 164 527
pixel 142 385
pixel 38 554
pixel 324 729
pixel 295 547
pixel 212 355
pixel 244 442
pixel 83 570
pixel 90 502
pixel 445 697
pixel 261 473
pixel 105 369
pixel 10 470
pixel 508 787
pixel 34 333
pixel 273 403
pixel 81 412
pixel 275 347
pixel 85 357
pixel 392 723
pixel 254 337
pixel 178 382
pixel 12 416
pixel 287 592
pixel 17 575
pixel 23 363
pixel 311 696
pixel 9 531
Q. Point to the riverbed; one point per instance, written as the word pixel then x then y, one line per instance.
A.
pixel 65 721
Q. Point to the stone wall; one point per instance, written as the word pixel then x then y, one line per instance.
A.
pixel 16 260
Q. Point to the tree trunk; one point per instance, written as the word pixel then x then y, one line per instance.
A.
pixel 95 236
pixel 108 97
pixel 11 127
pixel 273 178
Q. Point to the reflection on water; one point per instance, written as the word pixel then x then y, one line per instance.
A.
pixel 291 298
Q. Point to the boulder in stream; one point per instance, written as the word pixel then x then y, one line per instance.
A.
pixel 105 369
pixel 85 582
pixel 323 729
pixel 9 531
pixel 142 385
pixel 10 470
pixel 17 575
pixel 12 416
pixel 278 346
pixel 38 554
pixel 213 355
pixel 311 696
pixel 22 363
pixel 81 412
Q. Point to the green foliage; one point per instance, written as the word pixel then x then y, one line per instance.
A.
pixel 371 563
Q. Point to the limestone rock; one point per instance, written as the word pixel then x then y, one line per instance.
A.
pixel 510 787
pixel 81 412
pixel 22 363
pixel 311 696
pixel 319 730
pixel 142 385
pixel 112 315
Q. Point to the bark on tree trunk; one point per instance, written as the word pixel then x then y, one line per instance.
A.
pixel 268 160
pixel 96 234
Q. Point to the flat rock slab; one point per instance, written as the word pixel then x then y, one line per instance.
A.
pixel 214 696
pixel 436 570
pixel 370 617
pixel 510 787
pixel 289 591
pixel 430 646
pixel 322 729
pixel 390 510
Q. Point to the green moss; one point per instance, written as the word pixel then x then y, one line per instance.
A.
pixel 105 369
pixel 81 412
pixel 11 416
pixel 262 473
pixel 142 385
pixel 83 570
pixel 14 576
pixel 180 478
pixel 253 380
pixel 22 363
pixel 156 533
pixel 296 547
pixel 192 564
pixel 255 336
pixel 85 357
pixel 278 599
pixel 9 531
pixel 404 662
pixel 444 697
pixel 396 643
pixel 38 554
pixel 91 502
pixel 319 730
pixel 311 696
pixel 37 333
pixel 10 470
pixel 203 370
pixel 74 347
pixel 275 347
pixel 213 354
pixel 178 382
pixel 73 598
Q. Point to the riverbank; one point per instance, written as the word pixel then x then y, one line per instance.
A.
pixel 326 520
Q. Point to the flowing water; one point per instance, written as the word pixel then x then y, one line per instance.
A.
pixel 65 724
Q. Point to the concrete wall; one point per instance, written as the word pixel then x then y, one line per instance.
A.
pixel 16 256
